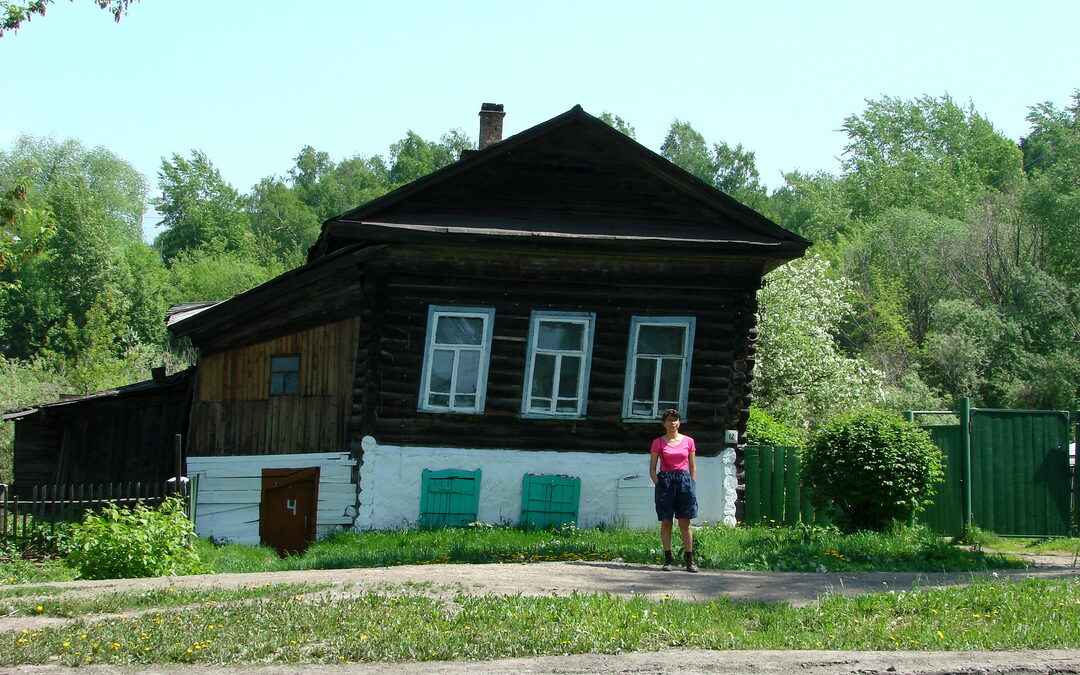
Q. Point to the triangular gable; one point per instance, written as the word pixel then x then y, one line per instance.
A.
pixel 570 177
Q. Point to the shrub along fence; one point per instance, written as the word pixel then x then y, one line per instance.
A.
pixel 1007 471
pixel 52 504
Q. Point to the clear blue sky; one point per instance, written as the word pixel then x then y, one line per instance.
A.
pixel 251 81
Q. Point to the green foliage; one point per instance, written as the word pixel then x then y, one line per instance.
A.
pixel 730 169
pixel 198 207
pixel 927 153
pixel 205 274
pixel 14 14
pixel 23 383
pixel 618 123
pixel 872 468
pixel 764 429
pixel 123 543
pixel 802 375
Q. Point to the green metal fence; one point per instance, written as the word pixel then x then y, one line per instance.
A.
pixel 1006 471
pixel 774 493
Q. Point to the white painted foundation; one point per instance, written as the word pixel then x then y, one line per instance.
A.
pixel 390 484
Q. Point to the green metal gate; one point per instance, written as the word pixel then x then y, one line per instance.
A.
pixel 1006 471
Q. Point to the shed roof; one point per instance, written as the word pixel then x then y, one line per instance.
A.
pixel 176 381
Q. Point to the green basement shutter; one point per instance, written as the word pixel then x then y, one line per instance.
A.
pixel 549 500
pixel 449 498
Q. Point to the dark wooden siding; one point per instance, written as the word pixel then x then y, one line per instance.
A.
pixel 235 415
pixel 118 438
pixel 401 286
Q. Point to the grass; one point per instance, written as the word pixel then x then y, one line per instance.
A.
pixel 990 614
pixel 798 549
pixel 46 602
pixel 801 549
pixel 984 539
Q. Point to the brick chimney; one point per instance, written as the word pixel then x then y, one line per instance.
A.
pixel 491 121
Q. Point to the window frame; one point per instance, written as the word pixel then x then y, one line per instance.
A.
pixel 270 382
pixel 688 322
pixel 588 319
pixel 487 314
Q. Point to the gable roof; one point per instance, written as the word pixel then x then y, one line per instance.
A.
pixel 571 180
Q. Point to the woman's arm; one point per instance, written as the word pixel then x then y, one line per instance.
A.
pixel 654 457
pixel 692 457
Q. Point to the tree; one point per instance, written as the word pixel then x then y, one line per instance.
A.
pixel 412 157
pixel 1052 160
pixel 618 124
pixel 281 222
pixel 686 148
pixel 802 377
pixel 198 207
pixel 926 153
pixel 96 201
pixel 15 13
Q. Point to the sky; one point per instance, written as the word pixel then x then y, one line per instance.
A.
pixel 250 82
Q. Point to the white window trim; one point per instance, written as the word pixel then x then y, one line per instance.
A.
pixel 588 319
pixel 631 363
pixel 434 311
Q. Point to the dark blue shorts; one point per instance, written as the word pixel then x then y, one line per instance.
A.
pixel 675 496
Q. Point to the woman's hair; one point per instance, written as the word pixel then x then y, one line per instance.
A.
pixel 670 413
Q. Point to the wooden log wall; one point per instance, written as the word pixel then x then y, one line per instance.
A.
pixel 235 415
pixel 401 287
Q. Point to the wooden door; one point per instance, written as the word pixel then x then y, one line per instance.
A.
pixel 290 499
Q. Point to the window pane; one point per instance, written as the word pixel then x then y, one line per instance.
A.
pixel 567 406
pixel 560 335
pixel 644 379
pixel 292 383
pixel 277 383
pixel 442 368
pixel 468 372
pixel 641 408
pixel 459 330
pixel 568 377
pixel 666 340
pixel 539 404
pixel 279 363
pixel 543 377
pixel 441 400
pixel 461 401
pixel 670 379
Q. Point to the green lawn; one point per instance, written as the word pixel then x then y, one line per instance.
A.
pixel 801 549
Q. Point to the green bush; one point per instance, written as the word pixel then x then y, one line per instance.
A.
pixel 764 429
pixel 871 468
pixel 121 543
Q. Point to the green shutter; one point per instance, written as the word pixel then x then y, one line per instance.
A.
pixel 548 500
pixel 449 498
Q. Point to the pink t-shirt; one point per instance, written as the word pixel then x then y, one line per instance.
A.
pixel 674 457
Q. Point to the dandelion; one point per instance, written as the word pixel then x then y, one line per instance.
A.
pixel 38 608
pixel 941 635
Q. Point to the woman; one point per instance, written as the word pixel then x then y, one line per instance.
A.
pixel 674 491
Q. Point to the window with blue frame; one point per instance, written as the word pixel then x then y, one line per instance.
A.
pixel 658 366
pixel 456 356
pixel 557 364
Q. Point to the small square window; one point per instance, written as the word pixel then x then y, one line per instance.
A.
pixel 285 375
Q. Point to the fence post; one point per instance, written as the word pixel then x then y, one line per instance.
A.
pixel 965 449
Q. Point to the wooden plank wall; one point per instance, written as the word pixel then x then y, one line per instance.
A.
pixel 230 490
pixel 235 415
pixel 400 292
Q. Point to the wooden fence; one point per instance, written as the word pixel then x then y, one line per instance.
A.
pixel 52 504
